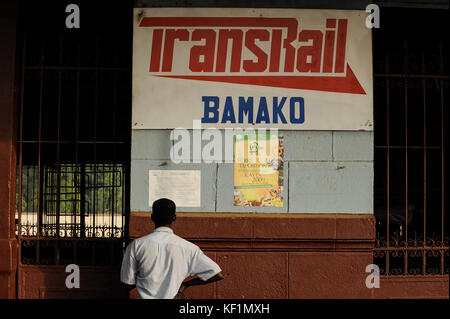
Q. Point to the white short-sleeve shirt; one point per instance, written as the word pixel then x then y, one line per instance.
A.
pixel 159 262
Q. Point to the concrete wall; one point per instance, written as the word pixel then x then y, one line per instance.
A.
pixel 278 255
pixel 325 172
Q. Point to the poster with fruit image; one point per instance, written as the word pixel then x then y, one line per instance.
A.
pixel 258 169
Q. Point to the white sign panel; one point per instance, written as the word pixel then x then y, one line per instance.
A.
pixel 271 68
pixel 181 186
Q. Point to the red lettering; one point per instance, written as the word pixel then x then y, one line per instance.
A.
pixel 340 48
pixel 329 47
pixel 155 58
pixel 207 51
pixel 275 51
pixel 171 35
pixel 203 56
pixel 314 51
pixel 250 37
pixel 290 52
pixel 236 52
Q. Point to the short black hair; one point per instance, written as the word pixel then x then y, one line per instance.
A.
pixel 163 211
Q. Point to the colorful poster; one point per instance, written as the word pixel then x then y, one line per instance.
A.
pixel 258 169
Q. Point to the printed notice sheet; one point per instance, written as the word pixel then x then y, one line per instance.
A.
pixel 181 186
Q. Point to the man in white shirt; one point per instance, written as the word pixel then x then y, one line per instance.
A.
pixel 157 264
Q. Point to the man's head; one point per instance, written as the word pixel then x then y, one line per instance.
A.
pixel 163 212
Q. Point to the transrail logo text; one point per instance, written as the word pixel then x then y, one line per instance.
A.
pixel 260 51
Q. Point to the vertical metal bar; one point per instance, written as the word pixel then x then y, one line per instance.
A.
pixel 77 123
pixel 26 193
pixel 83 200
pixel 19 206
pixel 42 176
pixel 41 90
pixel 424 257
pixel 113 189
pixel 113 193
pixel 441 45
pixel 58 168
pixel 405 81
pixel 39 191
pixel 387 164
pixel 104 188
pixel 81 168
pixel 125 203
pixel 94 188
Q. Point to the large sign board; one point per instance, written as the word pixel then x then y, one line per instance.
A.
pixel 232 68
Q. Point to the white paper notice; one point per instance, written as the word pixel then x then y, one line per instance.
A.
pixel 181 186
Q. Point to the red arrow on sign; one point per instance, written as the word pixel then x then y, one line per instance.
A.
pixel 339 84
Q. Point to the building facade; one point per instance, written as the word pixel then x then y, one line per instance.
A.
pixel 75 173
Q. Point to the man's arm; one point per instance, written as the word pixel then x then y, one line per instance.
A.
pixel 197 282
pixel 202 267
pixel 128 269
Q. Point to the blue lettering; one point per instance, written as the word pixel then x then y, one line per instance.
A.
pixel 301 104
pixel 246 111
pixel 263 112
pixel 228 111
pixel 246 107
pixel 277 110
pixel 208 109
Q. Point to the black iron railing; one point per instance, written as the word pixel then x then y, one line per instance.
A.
pixel 73 139
pixel 411 84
